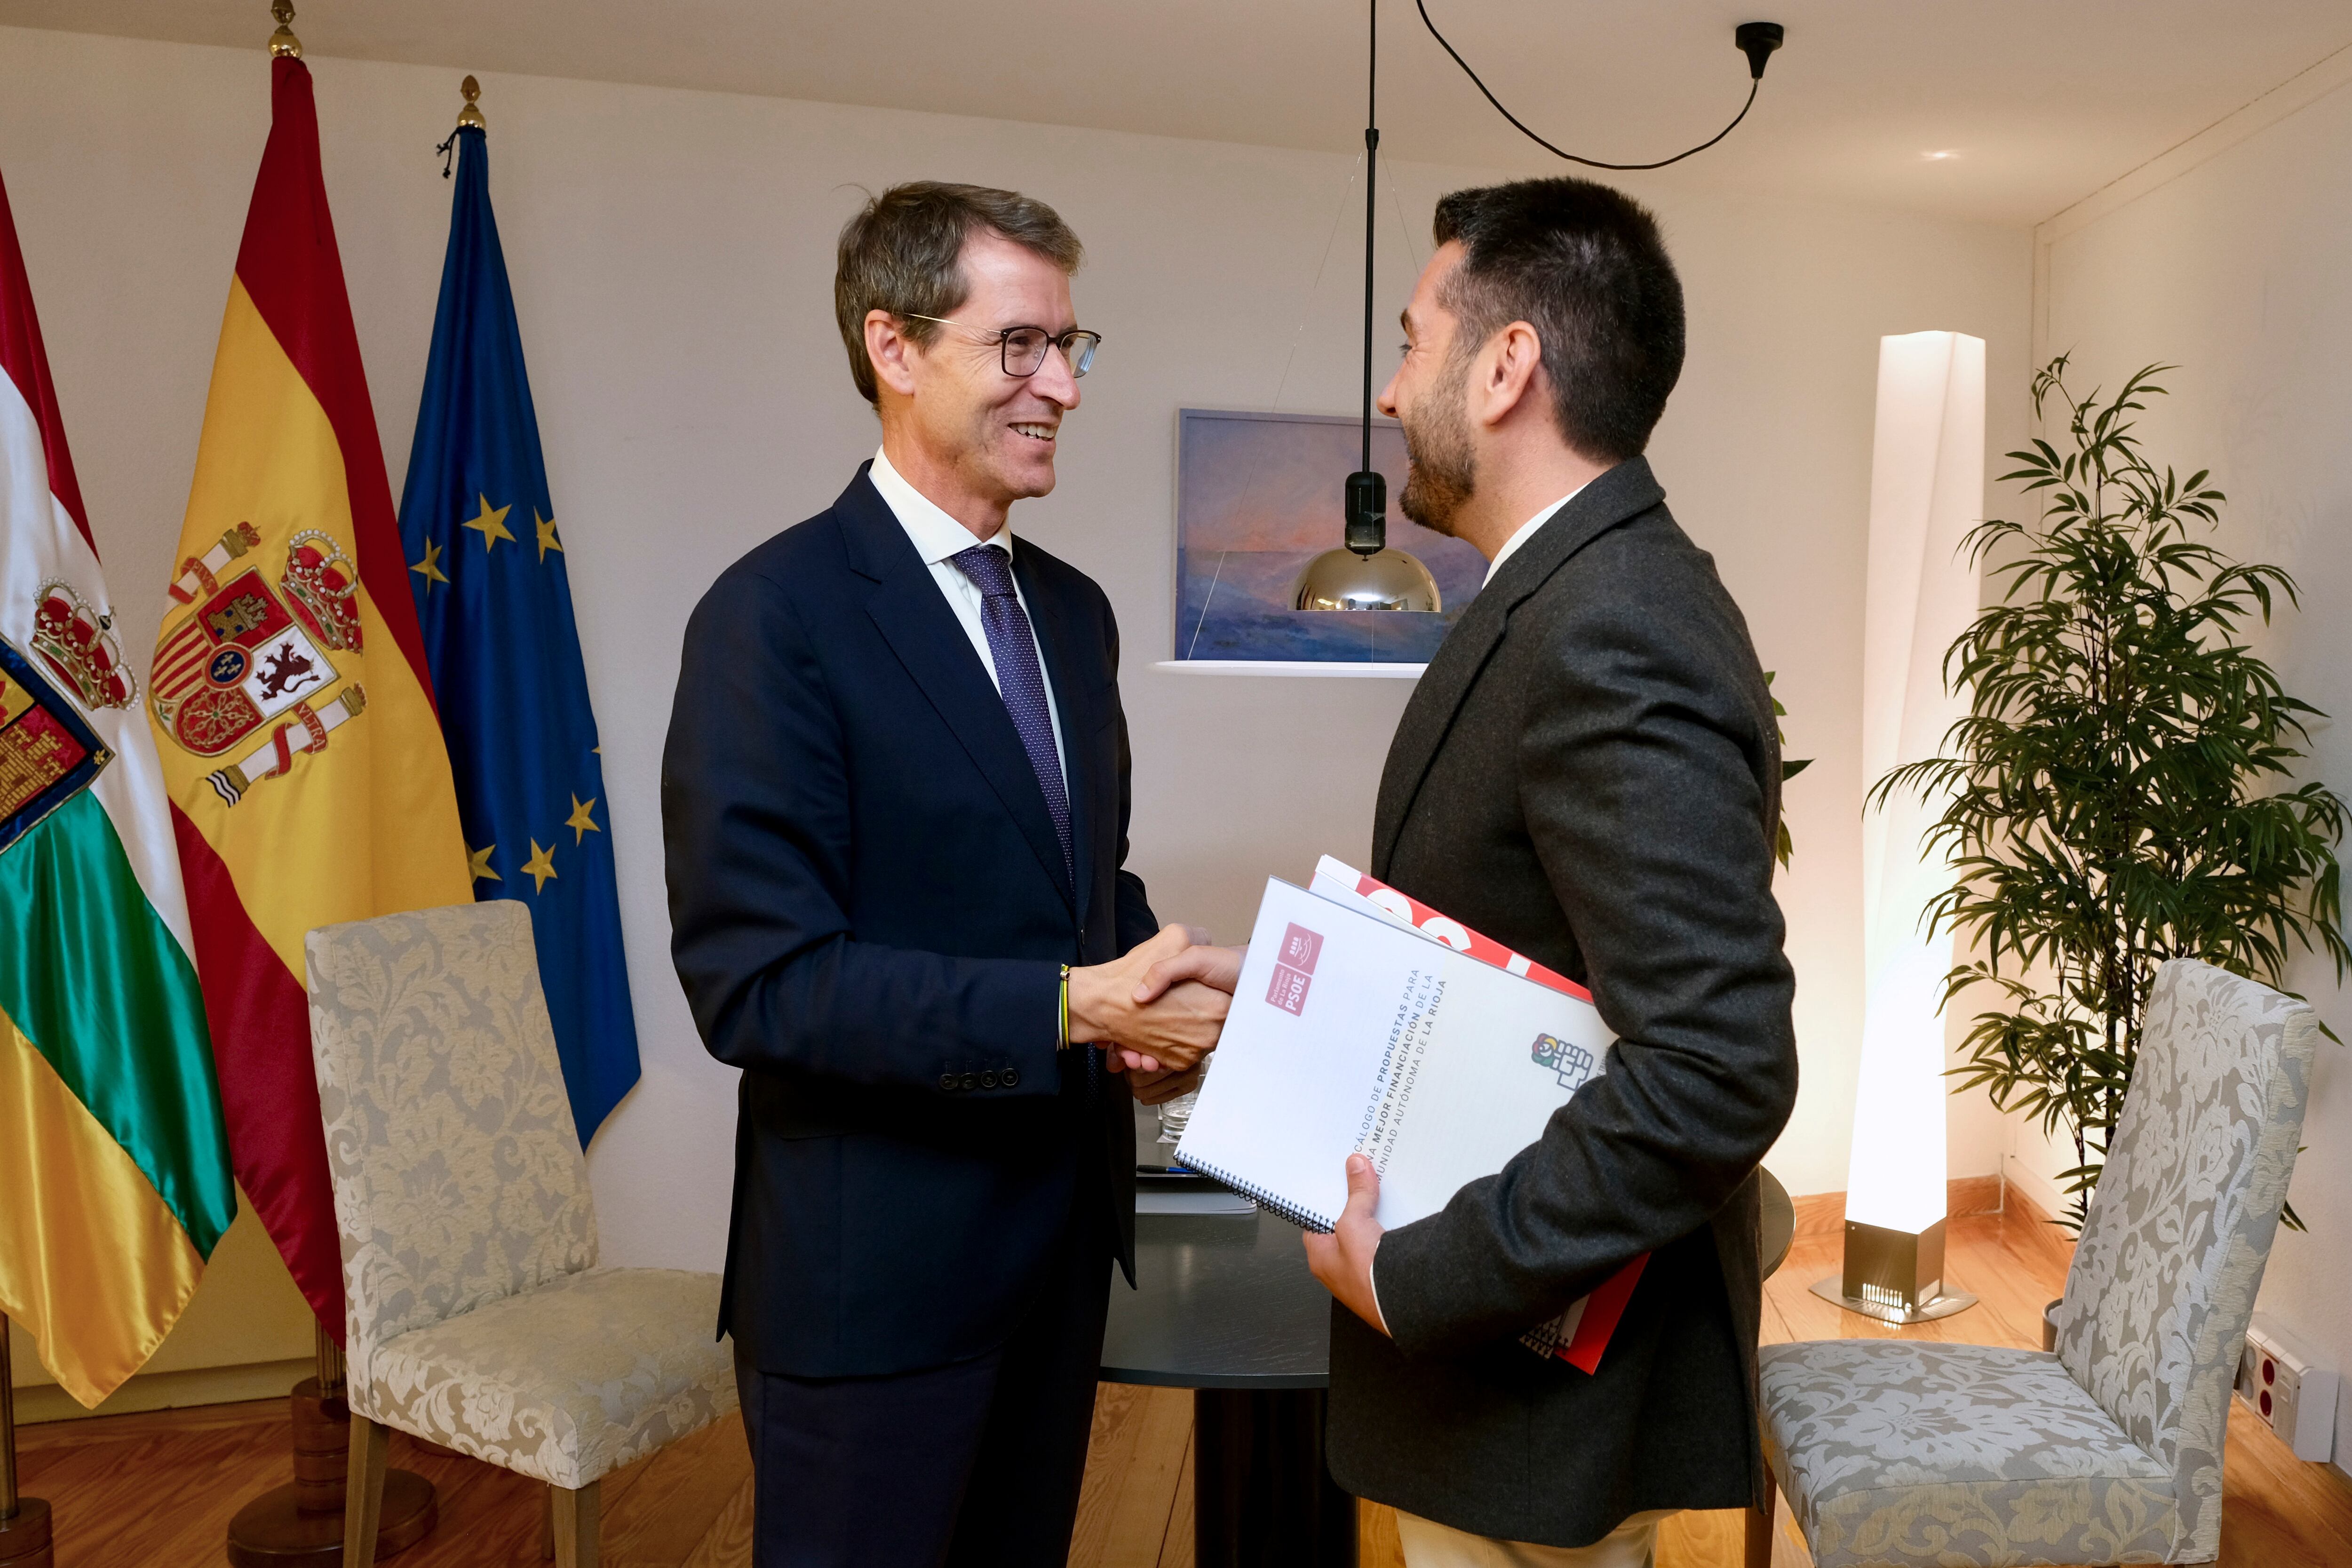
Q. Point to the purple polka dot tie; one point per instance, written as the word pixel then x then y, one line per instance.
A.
pixel 1018 677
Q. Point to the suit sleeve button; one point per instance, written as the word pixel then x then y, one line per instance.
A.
pixel 971 1080
pixel 1008 1078
pixel 947 1081
pixel 988 1081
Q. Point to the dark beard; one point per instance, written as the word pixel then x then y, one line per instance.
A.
pixel 1443 475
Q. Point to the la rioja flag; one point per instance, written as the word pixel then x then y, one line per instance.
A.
pixel 114 1180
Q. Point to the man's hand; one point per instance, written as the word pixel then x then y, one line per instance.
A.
pixel 1218 968
pixel 1172 1032
pixel 1153 1086
pixel 1343 1259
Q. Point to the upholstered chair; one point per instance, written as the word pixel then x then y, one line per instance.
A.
pixel 1905 1451
pixel 475 1314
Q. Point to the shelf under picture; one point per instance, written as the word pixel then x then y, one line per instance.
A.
pixel 1260 494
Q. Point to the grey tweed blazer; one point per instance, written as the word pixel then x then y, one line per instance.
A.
pixel 1589 773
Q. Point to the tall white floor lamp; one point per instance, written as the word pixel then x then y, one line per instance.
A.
pixel 1927 490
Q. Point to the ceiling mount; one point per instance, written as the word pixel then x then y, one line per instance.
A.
pixel 1756 40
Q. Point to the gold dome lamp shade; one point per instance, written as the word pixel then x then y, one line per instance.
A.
pixel 1387 579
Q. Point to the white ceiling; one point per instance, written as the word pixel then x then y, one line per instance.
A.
pixel 2039 101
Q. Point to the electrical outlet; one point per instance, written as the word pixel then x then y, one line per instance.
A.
pixel 2294 1394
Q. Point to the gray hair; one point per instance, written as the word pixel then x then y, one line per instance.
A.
pixel 901 253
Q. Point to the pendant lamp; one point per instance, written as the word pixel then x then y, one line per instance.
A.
pixel 1366 575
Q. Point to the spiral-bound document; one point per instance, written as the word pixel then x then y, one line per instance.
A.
pixel 1365 1022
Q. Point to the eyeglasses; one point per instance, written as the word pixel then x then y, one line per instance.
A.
pixel 1022 350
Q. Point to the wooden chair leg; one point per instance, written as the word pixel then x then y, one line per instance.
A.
pixel 575 1526
pixel 547 1525
pixel 1760 1531
pixel 363 1491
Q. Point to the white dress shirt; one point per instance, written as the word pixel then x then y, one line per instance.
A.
pixel 937 536
pixel 1527 531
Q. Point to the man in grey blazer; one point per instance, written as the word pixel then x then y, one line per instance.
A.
pixel 1589 773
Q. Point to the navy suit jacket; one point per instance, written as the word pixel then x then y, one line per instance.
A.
pixel 869 911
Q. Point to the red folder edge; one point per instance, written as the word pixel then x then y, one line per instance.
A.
pixel 1602 1311
pixel 1607 1302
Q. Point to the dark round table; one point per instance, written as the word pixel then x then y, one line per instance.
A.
pixel 1224 1305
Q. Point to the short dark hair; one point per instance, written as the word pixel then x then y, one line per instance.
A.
pixel 899 253
pixel 1584 266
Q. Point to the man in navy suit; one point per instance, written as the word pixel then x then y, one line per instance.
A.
pixel 895 803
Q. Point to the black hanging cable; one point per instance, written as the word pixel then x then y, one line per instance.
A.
pixel 1371 164
pixel 1368 489
pixel 1757 40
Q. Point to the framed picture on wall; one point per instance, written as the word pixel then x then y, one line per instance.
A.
pixel 1260 494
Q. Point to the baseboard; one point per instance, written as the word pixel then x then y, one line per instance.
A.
pixel 1823 1214
pixel 1820 1215
pixel 167 1390
pixel 2027 1181
pixel 1976 1195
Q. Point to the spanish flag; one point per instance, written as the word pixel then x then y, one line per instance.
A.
pixel 289 695
pixel 114 1178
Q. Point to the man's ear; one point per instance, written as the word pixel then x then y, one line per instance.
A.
pixel 891 352
pixel 1508 374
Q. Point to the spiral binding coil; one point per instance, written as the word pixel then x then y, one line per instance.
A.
pixel 1259 1195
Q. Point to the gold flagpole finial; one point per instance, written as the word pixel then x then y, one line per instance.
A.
pixel 470 115
pixel 283 41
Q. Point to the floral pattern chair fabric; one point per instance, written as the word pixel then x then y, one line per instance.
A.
pixel 475 1314
pixel 1904 1452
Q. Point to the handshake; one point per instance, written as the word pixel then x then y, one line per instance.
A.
pixel 1157 1012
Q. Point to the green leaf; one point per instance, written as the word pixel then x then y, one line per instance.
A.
pixel 1783 847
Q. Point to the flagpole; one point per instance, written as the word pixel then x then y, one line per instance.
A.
pixel 7 1424
pixel 331 1364
pixel 283 41
pixel 23 1520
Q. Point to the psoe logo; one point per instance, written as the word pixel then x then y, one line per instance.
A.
pixel 1573 1063
pixel 1294 968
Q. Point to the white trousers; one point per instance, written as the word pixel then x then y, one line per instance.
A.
pixel 1429 1544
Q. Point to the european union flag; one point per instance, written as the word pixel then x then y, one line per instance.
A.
pixel 487 564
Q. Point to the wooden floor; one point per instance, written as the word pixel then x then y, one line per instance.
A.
pixel 160 1488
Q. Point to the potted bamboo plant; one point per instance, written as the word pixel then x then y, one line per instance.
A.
pixel 2123 790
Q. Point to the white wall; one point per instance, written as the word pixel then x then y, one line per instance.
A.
pixel 672 256
pixel 2231 261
